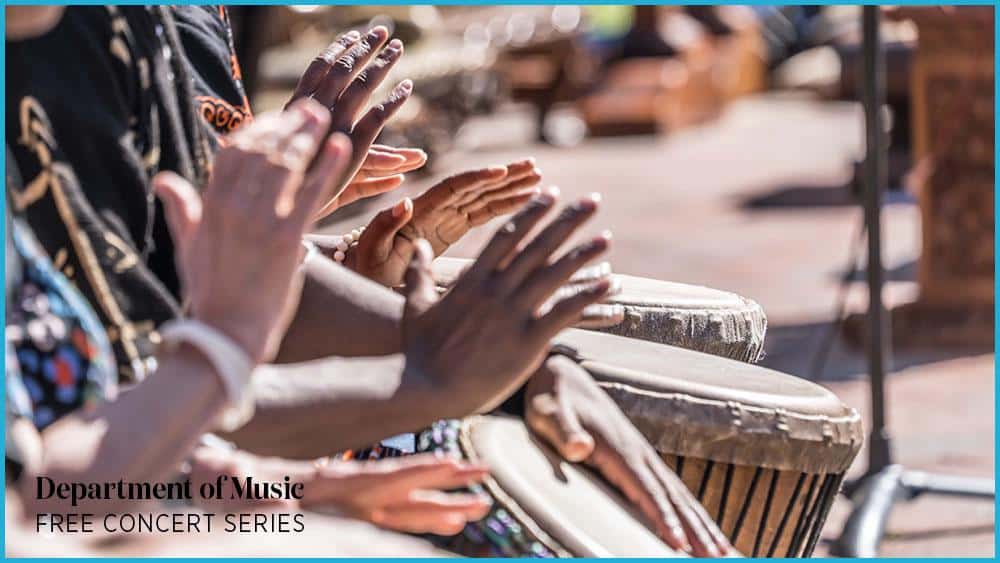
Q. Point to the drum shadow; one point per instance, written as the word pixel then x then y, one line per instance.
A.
pixel 906 271
pixel 820 352
pixel 792 197
pixel 801 196
pixel 555 460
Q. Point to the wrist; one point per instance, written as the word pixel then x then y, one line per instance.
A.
pixel 244 332
pixel 428 399
pixel 230 363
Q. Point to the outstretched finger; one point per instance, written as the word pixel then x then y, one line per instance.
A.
pixel 679 495
pixel 558 424
pixel 514 188
pixel 505 240
pixel 301 143
pixel 639 484
pixel 433 514
pixel 552 278
pixel 321 65
pixel 379 161
pixel 360 190
pixel 348 65
pixel 516 172
pixel 567 312
pixel 415 158
pixel 360 90
pixel 322 180
pixel 371 123
pixel 396 480
pixel 538 251
pixel 452 188
pixel 500 208
pixel 601 315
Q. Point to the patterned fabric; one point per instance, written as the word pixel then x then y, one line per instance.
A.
pixel 58 357
pixel 96 107
pixel 207 38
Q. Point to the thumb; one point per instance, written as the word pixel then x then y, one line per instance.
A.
pixel 559 425
pixel 181 205
pixel 419 289
pixel 382 230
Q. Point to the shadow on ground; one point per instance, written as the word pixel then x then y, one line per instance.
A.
pixel 792 197
pixel 798 349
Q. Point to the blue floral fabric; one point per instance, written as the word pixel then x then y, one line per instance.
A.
pixel 58 356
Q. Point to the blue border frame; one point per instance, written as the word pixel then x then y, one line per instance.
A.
pixel 996 213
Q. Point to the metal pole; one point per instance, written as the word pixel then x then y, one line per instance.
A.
pixel 875 174
pixel 883 484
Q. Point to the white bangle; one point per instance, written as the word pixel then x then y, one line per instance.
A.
pixel 232 365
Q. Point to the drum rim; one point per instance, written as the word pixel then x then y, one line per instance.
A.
pixel 723 299
pixel 727 432
pixel 501 497
pixel 727 429
pixel 567 546
pixel 717 321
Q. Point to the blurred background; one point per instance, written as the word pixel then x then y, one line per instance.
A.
pixel 726 142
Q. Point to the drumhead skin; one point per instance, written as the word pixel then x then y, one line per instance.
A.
pixel 692 404
pixel 690 316
pixel 563 504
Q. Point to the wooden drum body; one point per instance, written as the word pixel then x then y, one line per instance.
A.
pixel 690 316
pixel 764 452
pixel 558 508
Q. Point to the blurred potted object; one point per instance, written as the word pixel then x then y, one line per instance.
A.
pixel 953 149
pixel 542 59
pixel 664 79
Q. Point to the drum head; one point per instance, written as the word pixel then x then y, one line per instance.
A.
pixel 690 316
pixel 694 404
pixel 562 502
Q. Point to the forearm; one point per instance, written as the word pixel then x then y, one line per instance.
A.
pixel 341 314
pixel 323 407
pixel 140 437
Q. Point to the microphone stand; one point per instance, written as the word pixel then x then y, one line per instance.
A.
pixel 884 483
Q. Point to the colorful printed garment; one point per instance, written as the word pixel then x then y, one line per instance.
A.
pixel 59 359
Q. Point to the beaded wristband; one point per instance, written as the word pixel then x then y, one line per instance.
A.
pixel 346 242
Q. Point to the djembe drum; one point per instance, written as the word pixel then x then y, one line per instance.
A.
pixel 543 506
pixel 690 316
pixel 764 452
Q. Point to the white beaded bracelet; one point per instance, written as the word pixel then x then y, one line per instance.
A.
pixel 346 242
pixel 229 361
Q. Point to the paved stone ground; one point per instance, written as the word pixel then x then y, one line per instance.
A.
pixel 754 203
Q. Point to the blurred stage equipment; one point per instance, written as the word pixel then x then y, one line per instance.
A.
pixel 764 452
pixel 884 482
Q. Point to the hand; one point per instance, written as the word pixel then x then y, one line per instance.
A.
pixel 567 408
pixel 441 215
pixel 406 494
pixel 598 315
pixel 383 170
pixel 342 79
pixel 244 238
pixel 475 345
